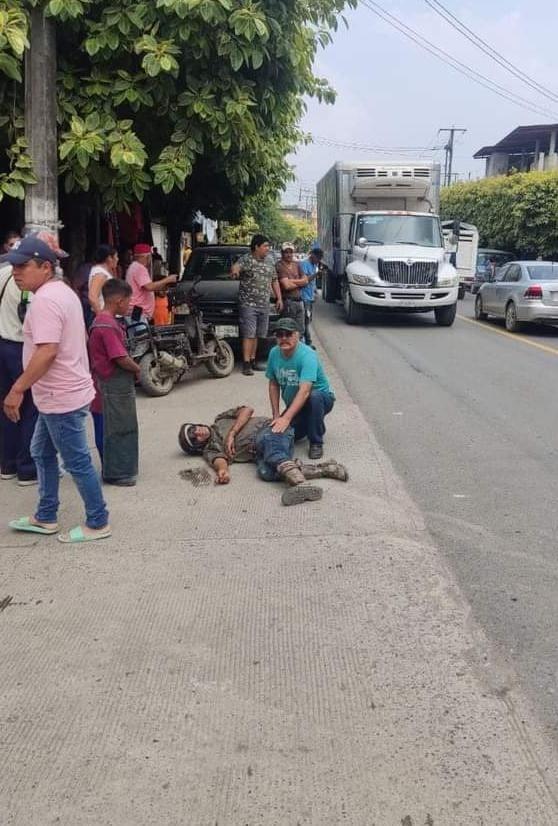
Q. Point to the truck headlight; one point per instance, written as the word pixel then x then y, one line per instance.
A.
pixel 448 279
pixel 361 280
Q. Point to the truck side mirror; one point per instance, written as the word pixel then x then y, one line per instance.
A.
pixel 362 242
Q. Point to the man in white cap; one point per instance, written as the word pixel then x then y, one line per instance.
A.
pixel 291 280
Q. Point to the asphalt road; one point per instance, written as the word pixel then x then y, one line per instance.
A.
pixel 468 416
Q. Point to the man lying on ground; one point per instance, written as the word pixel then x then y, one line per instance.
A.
pixel 238 436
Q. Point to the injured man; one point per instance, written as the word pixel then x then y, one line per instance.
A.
pixel 238 436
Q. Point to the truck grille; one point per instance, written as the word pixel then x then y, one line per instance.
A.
pixel 423 273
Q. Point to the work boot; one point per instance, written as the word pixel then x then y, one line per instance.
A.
pixel 290 472
pixel 257 366
pixel 325 470
pixel 247 369
pixel 301 493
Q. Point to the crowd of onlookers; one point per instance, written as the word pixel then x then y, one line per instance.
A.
pixel 63 356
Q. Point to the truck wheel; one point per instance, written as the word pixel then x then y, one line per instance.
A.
pixel 445 316
pixel 221 363
pixel 151 379
pixel 354 313
pixel 329 287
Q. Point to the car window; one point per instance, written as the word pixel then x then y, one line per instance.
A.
pixel 210 265
pixel 543 272
pixel 502 273
pixel 513 273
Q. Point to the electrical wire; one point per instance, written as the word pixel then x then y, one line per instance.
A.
pixel 489 50
pixel 446 58
pixel 319 139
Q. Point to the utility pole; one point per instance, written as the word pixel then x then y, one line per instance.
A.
pixel 41 199
pixel 449 151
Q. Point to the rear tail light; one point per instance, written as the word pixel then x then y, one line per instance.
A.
pixel 533 292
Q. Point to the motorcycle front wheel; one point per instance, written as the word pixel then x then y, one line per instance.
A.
pixel 151 379
pixel 221 363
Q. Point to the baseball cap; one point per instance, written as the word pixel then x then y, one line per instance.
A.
pixel 287 246
pixel 316 248
pixel 28 249
pixel 142 249
pixel 288 324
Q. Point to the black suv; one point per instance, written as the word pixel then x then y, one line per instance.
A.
pixel 218 292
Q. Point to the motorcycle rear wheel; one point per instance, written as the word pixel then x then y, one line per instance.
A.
pixel 151 379
pixel 221 363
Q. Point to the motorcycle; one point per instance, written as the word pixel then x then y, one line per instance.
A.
pixel 166 353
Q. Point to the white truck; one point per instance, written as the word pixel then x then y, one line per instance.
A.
pixel 383 248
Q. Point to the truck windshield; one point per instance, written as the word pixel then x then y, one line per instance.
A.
pixel 419 230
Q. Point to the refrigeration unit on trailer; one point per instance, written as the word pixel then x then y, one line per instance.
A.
pixel 379 228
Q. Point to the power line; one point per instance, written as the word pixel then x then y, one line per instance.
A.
pixel 319 139
pixel 489 50
pixel 446 58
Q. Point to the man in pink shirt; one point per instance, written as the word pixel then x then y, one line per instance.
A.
pixel 143 287
pixel 56 369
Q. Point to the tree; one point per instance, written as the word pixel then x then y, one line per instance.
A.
pixel 265 216
pixel 517 212
pixel 155 94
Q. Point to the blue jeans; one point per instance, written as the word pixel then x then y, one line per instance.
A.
pixel 15 437
pixel 64 433
pixel 98 429
pixel 310 421
pixel 273 449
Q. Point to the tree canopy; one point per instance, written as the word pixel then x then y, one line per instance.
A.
pixel 156 94
pixel 266 217
pixel 517 212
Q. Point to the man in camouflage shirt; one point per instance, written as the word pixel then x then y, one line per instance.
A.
pixel 258 279
pixel 238 436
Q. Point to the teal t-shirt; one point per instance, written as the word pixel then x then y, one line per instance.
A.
pixel 303 365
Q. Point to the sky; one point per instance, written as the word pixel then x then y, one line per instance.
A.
pixel 391 93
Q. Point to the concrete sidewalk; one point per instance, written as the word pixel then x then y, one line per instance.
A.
pixel 225 660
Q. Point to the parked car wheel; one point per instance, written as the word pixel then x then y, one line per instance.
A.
pixel 512 324
pixel 222 363
pixel 461 291
pixel 151 379
pixel 445 316
pixel 480 315
pixel 354 313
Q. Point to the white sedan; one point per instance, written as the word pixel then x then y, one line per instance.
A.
pixel 523 291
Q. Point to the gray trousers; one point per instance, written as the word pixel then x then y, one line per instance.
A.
pixel 295 310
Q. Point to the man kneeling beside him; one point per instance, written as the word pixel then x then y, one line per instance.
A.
pixel 238 436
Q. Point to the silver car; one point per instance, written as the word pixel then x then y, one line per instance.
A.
pixel 523 291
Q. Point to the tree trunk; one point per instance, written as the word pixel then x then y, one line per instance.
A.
pixel 174 231
pixel 41 199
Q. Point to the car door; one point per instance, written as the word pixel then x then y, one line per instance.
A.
pixel 506 288
pixel 488 290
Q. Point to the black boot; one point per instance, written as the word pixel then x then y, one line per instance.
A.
pixel 247 369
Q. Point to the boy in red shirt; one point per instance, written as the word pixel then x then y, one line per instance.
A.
pixel 115 373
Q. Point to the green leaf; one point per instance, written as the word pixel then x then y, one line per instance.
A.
pixel 13 190
pixel 10 66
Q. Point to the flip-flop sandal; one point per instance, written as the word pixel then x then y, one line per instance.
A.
pixel 77 535
pixel 24 524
